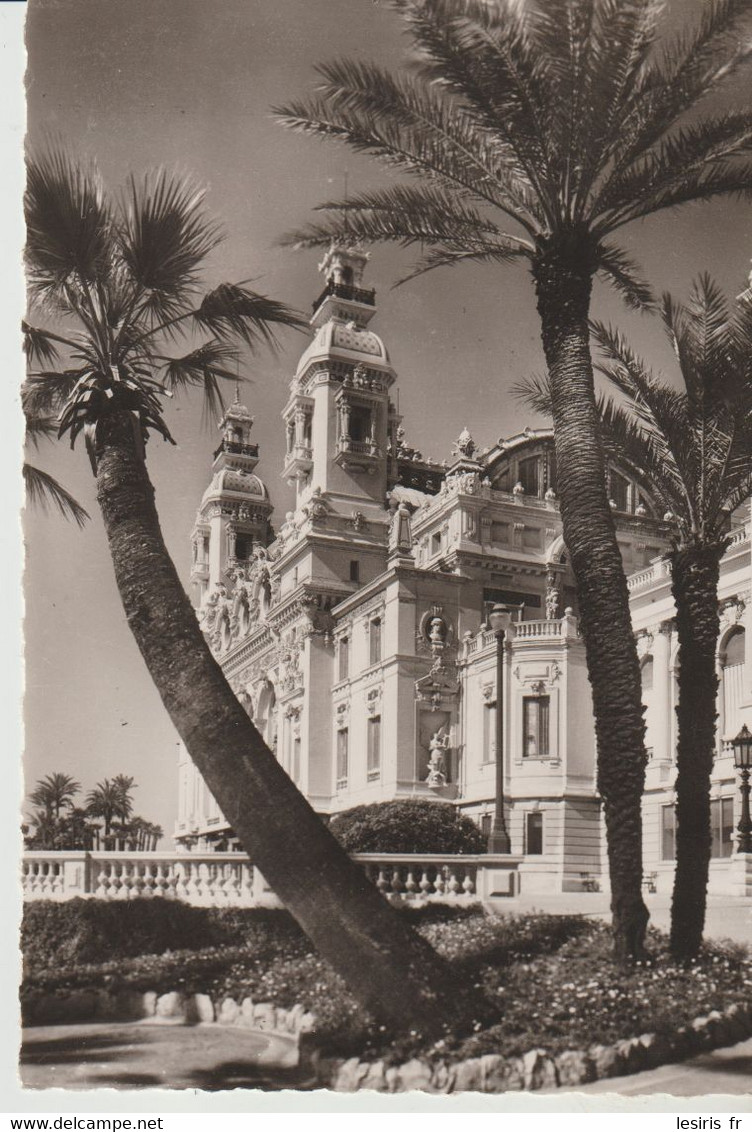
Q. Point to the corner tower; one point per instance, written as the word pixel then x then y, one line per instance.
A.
pixel 340 422
pixel 235 510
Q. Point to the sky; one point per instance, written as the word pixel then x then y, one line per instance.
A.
pixel 140 84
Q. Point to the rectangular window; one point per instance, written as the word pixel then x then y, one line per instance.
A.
pixel 668 833
pixel 534 833
pixel 375 644
pixel 360 423
pixel 721 826
pixel 489 732
pixel 344 658
pixel 528 473
pixel 342 757
pixel 373 764
pixel 485 824
pixel 354 570
pixel 619 491
pixel 535 726
pixel 436 543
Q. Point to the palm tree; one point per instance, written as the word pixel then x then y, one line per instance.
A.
pixel 535 131
pixel 122 276
pixel 105 802
pixel 695 444
pixel 55 792
pixel 125 785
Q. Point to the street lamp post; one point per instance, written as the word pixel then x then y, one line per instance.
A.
pixel 498 842
pixel 742 761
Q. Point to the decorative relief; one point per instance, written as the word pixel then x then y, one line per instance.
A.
pixel 373 702
pixel 644 644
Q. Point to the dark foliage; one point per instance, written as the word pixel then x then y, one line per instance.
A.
pixel 413 826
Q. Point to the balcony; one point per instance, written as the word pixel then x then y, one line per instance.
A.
pixel 345 291
pixel 356 455
pixel 549 630
pixel 236 449
pixel 298 462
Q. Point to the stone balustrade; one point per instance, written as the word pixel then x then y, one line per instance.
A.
pixel 229 879
pixel 552 629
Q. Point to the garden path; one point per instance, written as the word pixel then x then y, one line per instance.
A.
pixel 138 1055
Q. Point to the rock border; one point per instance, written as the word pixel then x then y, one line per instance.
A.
pixel 536 1069
pixel 489 1073
pixel 169 1008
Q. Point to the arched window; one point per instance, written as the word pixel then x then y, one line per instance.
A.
pixel 732 681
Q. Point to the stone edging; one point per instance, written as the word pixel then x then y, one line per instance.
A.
pixel 536 1069
pixel 173 1007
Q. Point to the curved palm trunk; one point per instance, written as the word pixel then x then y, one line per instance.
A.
pixel 563 279
pixel 694 584
pixel 390 969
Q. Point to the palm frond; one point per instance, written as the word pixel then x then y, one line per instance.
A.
pixel 45 491
pixel 68 224
pixel 484 56
pixel 233 310
pixel 165 235
pixel 677 162
pixel 38 428
pixel 690 67
pixel 205 368
pixel 646 452
pixel 414 128
pixel 497 252
pixel 40 345
pixel 535 392
pixel 622 274
pixel 44 392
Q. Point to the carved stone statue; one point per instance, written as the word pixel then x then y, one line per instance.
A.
pixel 438 744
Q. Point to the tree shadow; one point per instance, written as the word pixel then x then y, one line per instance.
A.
pixel 709 1064
pixel 246 1075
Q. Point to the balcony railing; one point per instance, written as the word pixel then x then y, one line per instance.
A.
pixel 237 449
pixel 357 447
pixel 229 879
pixel 345 291
pixel 550 629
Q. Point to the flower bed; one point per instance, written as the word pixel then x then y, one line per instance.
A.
pixel 549 980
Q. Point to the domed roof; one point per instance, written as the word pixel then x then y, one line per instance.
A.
pixel 236 482
pixel 347 340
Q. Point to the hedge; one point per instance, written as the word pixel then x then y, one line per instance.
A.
pixel 416 825
pixel 70 933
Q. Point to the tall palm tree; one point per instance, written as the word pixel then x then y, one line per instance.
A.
pixel 55 792
pixel 535 131
pixel 122 277
pixel 104 802
pixel 125 785
pixel 695 443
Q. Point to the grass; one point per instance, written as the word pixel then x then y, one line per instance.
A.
pixel 549 980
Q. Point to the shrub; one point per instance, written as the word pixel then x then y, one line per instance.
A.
pixel 88 931
pixel 75 932
pixel 413 826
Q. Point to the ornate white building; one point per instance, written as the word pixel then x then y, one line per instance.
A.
pixel 357 637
